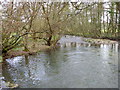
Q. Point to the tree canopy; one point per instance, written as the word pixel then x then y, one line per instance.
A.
pixel 47 21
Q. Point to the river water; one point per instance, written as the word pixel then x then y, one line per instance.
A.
pixel 72 65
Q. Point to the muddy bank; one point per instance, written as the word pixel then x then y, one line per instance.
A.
pixel 32 51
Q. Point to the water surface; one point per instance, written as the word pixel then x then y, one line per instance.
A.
pixel 73 65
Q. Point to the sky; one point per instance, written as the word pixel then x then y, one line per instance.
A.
pixel 55 1
pixel 60 0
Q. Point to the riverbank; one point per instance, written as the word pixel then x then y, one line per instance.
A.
pixel 17 52
pixel 78 39
pixel 117 38
pixel 99 41
pixel 64 39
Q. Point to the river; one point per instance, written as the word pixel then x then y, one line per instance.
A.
pixel 75 64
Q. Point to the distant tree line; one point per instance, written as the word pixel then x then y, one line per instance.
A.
pixel 98 20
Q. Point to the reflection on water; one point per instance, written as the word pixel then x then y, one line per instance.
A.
pixel 73 65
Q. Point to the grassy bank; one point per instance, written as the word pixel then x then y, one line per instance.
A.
pixel 99 41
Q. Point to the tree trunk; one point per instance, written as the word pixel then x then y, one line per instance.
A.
pixel 49 41
pixel 118 8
